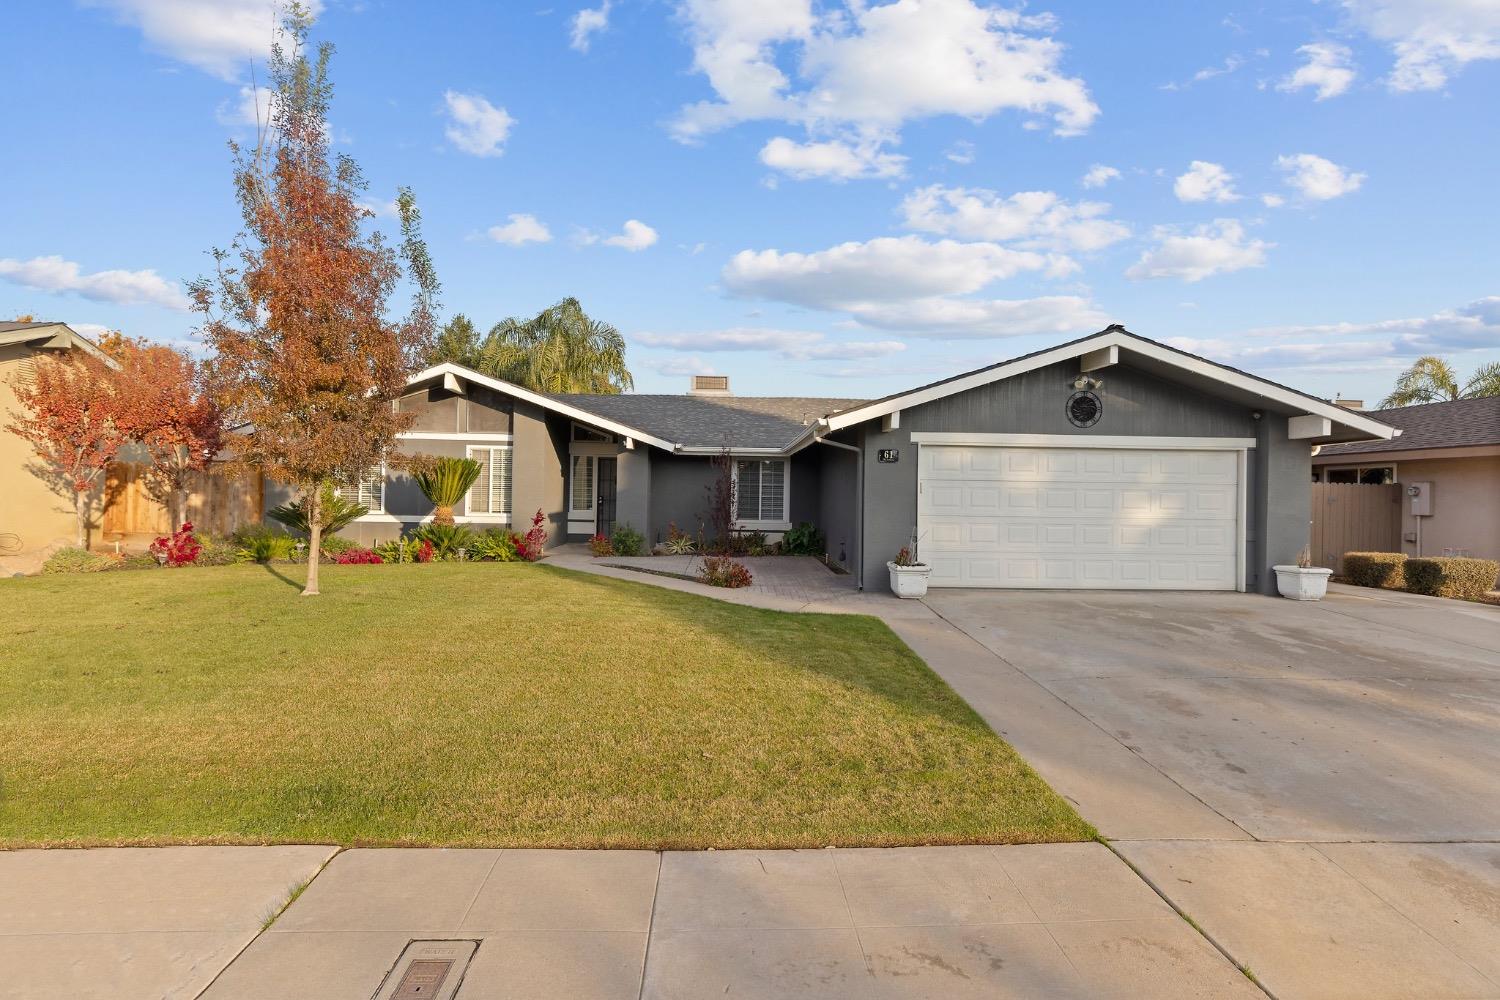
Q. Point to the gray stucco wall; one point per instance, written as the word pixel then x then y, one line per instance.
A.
pixel 838 511
pixel 1135 404
pixel 633 489
pixel 537 472
pixel 1282 511
pixel 807 486
pixel 438 410
pixel 679 495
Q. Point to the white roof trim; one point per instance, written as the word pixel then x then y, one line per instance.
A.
pixel 1113 338
pixel 536 398
pixel 52 331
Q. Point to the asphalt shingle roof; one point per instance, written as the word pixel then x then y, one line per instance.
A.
pixel 1462 423
pixel 712 421
pixel 11 326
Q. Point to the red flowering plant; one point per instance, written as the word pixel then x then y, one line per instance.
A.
pixel 530 547
pixel 424 552
pixel 722 571
pixel 177 549
pixel 359 557
pixel 599 545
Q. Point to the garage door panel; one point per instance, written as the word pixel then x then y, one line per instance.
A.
pixel 1079 518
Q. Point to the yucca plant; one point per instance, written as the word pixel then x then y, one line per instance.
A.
pixel 445 481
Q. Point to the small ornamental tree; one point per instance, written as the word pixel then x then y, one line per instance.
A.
pixel 304 354
pixel 176 419
pixel 76 419
pixel 721 495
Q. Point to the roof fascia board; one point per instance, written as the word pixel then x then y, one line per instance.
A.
pixel 1117 339
pixel 537 399
pixel 1407 455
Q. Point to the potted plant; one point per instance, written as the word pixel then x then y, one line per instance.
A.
pixel 1304 581
pixel 908 576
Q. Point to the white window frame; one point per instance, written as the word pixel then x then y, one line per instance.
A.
pixel 1359 471
pixel 764 524
pixel 492 516
pixel 377 473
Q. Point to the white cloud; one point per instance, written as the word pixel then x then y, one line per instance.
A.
pixel 1272 200
pixel 683 365
pixel 252 108
pixel 1318 179
pixel 795 345
pixel 1474 326
pixel 1215 248
pixel 131 288
pixel 959 318
pixel 887 269
pixel 835 160
pixel 1328 68
pixel 475 125
pixel 218 36
pixel 1205 181
pixel 520 230
pixel 589 22
pixel 1432 39
pixel 1099 175
pixel 863 71
pixel 1035 219
pixel 961 152
pixel 1231 63
pixel 634 235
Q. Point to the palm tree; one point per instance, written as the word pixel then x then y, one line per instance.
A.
pixel 1433 380
pixel 559 350
pixel 444 481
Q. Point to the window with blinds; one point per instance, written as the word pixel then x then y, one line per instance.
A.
pixel 490 493
pixel 581 483
pixel 760 492
pixel 367 491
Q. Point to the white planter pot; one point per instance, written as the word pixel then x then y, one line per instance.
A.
pixel 909 581
pixel 1302 584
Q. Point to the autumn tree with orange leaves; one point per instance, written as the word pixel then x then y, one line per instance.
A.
pixel 175 417
pixel 295 314
pixel 76 419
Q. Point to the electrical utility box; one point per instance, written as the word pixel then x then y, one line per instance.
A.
pixel 1421 499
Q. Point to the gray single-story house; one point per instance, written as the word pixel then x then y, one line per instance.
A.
pixel 1110 462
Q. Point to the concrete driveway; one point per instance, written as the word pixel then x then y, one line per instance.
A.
pixel 1317 785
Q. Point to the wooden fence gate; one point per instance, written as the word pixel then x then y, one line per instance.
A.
pixel 1354 517
pixel 216 504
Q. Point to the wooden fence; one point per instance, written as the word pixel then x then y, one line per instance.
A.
pixel 217 503
pixel 1354 517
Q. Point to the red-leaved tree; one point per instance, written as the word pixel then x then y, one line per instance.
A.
pixel 76 418
pixel 295 314
pixel 176 418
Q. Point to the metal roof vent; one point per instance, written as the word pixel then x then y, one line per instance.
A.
pixel 710 385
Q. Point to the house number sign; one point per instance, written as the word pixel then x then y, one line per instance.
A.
pixel 888 455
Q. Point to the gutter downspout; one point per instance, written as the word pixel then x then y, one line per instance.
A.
pixel 859 498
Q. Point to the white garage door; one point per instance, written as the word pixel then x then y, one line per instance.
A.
pixel 1066 518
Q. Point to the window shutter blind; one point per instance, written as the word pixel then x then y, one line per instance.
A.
pixel 772 491
pixel 479 493
pixel 747 492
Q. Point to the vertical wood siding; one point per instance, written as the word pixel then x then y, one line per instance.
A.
pixel 1354 517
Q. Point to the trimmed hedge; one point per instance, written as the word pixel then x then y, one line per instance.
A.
pixel 1468 579
pixel 1375 569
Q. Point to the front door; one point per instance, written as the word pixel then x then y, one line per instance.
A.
pixel 605 522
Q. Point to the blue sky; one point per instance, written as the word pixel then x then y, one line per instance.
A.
pixel 827 198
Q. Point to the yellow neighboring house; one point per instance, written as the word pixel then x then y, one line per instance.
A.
pixel 34 520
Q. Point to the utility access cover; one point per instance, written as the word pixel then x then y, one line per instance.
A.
pixel 428 970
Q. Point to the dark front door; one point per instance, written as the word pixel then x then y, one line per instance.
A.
pixel 606 494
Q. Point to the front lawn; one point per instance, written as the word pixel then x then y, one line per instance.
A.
pixel 479 704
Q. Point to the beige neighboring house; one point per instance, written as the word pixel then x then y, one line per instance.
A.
pixel 34 520
pixel 1453 446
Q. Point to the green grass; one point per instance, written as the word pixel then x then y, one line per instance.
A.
pixel 480 704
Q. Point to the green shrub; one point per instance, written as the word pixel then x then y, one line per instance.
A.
pixel 752 543
pixel 1467 579
pixel 138 560
pixel 259 543
pixel 446 539
pixel 679 542
pixel 75 560
pixel 802 539
pixel 336 545
pixel 1375 569
pixel 626 541
pixel 216 551
pixel 496 545
pixel 337 513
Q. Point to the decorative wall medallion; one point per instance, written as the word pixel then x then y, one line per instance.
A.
pixel 1084 409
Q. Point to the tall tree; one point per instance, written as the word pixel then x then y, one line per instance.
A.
pixel 296 310
pixel 559 350
pixel 457 341
pixel 76 418
pixel 175 418
pixel 1432 379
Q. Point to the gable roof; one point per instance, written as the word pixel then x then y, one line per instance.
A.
pixel 1460 423
pixel 707 423
pixel 53 336
pixel 1143 353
